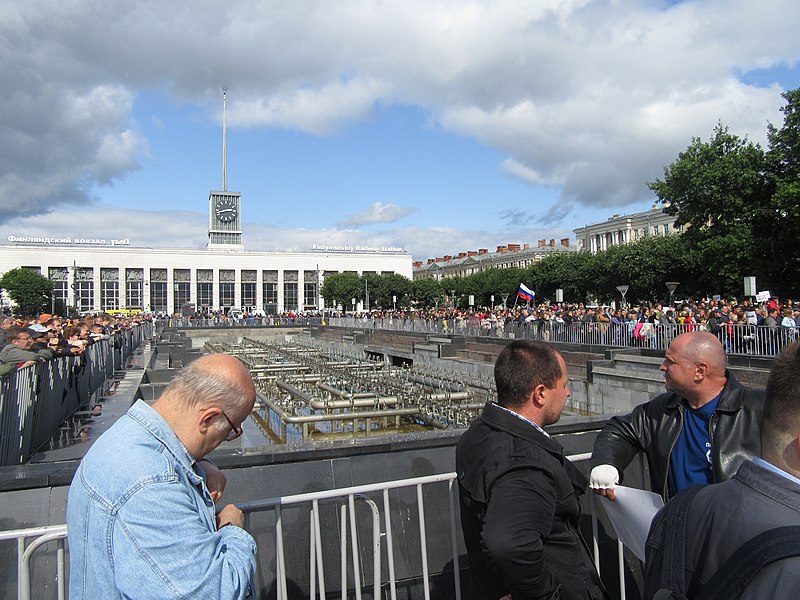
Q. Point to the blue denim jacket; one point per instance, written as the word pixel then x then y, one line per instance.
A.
pixel 141 521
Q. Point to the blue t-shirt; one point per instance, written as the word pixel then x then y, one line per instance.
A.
pixel 690 462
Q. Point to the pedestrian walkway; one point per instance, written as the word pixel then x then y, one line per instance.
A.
pixel 79 432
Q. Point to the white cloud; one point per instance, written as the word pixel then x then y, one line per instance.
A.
pixel 589 96
pixel 377 213
pixel 187 229
pixel 318 111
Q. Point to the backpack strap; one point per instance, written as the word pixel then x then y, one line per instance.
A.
pixel 674 550
pixel 746 563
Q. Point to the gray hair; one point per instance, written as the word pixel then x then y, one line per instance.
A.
pixel 197 386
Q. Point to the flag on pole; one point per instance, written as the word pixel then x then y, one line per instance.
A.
pixel 525 292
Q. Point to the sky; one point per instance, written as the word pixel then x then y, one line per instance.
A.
pixel 437 126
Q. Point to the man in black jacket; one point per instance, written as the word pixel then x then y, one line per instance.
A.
pixel 762 495
pixel 519 496
pixel 699 431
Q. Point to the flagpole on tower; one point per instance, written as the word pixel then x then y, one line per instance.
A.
pixel 225 139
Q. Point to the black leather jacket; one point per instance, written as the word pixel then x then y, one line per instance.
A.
pixel 654 427
pixel 520 513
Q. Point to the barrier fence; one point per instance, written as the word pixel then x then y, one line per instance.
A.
pixel 737 339
pixel 375 545
pixel 36 400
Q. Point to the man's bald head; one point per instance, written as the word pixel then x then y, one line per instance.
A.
pixel 702 347
pixel 213 380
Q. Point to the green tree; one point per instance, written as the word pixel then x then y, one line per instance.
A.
pixel 573 272
pixel 645 266
pixel 31 292
pixel 718 189
pixel 428 293
pixel 342 287
pixel 778 227
pixel 495 282
pixel 384 288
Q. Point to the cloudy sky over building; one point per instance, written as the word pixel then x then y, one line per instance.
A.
pixel 438 126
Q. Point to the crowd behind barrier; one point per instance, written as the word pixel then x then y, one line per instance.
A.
pixel 743 328
pixel 36 400
pixel 221 320
pixel 752 340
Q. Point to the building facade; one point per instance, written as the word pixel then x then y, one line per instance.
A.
pixel 99 275
pixel 474 261
pixel 623 229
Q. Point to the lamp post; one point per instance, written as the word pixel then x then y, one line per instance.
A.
pixel 671 285
pixel 623 289
pixel 453 294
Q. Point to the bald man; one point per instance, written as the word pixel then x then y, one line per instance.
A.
pixel 700 431
pixel 140 515
pixel 720 519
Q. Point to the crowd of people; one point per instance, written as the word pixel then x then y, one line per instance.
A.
pixel 27 341
pixel 743 327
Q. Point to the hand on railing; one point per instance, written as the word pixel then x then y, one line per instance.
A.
pixel 603 480
pixel 230 515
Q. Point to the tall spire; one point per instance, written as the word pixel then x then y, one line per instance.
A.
pixel 224 139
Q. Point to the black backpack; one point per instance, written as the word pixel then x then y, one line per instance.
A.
pixel 735 573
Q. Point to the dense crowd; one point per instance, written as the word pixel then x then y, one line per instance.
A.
pixel 27 341
pixel 741 326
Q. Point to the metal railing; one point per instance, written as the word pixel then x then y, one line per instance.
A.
pixel 347 514
pixel 268 321
pixel 36 400
pixel 30 540
pixel 737 339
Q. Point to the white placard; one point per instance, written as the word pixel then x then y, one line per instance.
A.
pixel 631 515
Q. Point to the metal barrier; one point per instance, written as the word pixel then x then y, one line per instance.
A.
pixel 29 540
pixel 268 321
pixel 35 401
pixel 26 546
pixel 737 339
pixel 348 496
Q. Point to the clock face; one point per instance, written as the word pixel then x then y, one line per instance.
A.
pixel 225 210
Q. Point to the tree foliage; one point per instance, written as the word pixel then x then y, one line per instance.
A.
pixel 31 292
pixel 741 206
pixel 427 293
pixel 573 272
pixel 341 288
pixel 779 229
pixel 719 189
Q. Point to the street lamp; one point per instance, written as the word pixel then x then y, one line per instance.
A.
pixel 671 285
pixel 453 294
pixel 623 289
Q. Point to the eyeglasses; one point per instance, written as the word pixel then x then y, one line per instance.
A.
pixel 234 432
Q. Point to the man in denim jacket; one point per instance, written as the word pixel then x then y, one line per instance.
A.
pixel 140 516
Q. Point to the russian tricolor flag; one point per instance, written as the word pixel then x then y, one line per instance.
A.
pixel 525 292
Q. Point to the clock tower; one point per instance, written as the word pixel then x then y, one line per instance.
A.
pixel 224 207
pixel 224 220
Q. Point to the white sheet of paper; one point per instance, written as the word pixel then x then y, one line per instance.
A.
pixel 631 514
